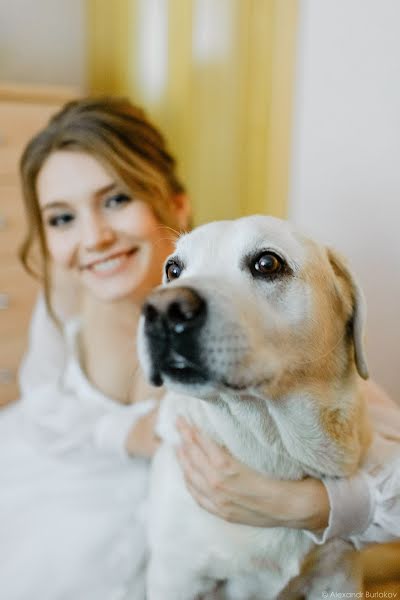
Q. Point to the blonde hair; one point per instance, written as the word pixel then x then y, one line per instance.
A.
pixel 121 137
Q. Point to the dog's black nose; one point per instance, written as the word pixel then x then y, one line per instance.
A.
pixel 179 309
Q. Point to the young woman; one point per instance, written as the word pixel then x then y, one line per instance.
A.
pixel 104 204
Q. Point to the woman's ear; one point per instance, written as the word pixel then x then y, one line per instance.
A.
pixel 182 210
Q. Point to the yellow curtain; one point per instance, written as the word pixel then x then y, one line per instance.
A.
pixel 217 76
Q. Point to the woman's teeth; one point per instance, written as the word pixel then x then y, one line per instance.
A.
pixel 110 264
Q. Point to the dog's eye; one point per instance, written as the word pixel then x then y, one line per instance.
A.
pixel 267 264
pixel 172 270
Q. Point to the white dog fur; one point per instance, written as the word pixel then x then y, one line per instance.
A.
pixel 280 353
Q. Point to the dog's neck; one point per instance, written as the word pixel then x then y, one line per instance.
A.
pixel 291 436
pixel 244 425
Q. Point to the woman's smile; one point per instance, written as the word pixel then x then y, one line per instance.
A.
pixel 111 265
pixel 113 239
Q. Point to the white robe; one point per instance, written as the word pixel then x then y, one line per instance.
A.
pixel 72 502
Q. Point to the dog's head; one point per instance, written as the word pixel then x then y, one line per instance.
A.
pixel 251 306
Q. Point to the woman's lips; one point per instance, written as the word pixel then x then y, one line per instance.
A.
pixel 111 265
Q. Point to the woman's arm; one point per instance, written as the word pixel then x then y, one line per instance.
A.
pixel 226 487
pixel 363 508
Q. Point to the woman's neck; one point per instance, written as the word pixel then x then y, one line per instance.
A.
pixel 108 346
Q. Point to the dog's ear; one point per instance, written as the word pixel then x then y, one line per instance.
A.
pixel 358 308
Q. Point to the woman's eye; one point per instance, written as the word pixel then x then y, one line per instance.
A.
pixel 267 264
pixel 60 220
pixel 172 270
pixel 117 200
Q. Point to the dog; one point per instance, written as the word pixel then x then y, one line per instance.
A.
pixel 256 333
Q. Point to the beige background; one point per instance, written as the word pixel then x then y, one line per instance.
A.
pixel 345 176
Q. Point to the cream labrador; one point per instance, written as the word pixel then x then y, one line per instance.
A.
pixel 257 336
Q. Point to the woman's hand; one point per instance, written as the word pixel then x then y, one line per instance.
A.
pixel 142 439
pixel 224 486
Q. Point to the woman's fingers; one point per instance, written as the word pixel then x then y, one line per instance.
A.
pixel 193 476
pixel 194 454
pixel 203 482
pixel 209 480
pixel 217 455
pixel 203 501
pixel 210 451
pixel 226 487
pixel 222 508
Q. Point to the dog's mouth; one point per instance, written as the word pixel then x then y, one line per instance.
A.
pixel 235 387
pixel 178 369
pixel 245 386
pixel 186 360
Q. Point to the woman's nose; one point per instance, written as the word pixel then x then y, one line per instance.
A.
pixel 97 234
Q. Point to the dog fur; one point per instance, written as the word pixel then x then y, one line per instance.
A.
pixel 272 373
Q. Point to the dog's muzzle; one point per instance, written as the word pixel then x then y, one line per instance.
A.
pixel 173 321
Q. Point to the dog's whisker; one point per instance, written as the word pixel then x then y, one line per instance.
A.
pixel 178 233
pixel 168 239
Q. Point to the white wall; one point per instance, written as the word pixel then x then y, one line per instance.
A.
pixel 345 181
pixel 43 41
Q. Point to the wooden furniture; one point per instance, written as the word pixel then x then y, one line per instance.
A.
pixel 23 111
pixel 381 565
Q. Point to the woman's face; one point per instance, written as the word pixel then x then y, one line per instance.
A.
pixel 96 228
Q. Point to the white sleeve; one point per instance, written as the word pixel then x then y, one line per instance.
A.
pixel 63 422
pixel 384 525
pixel 352 505
pixel 45 355
pixel 365 508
